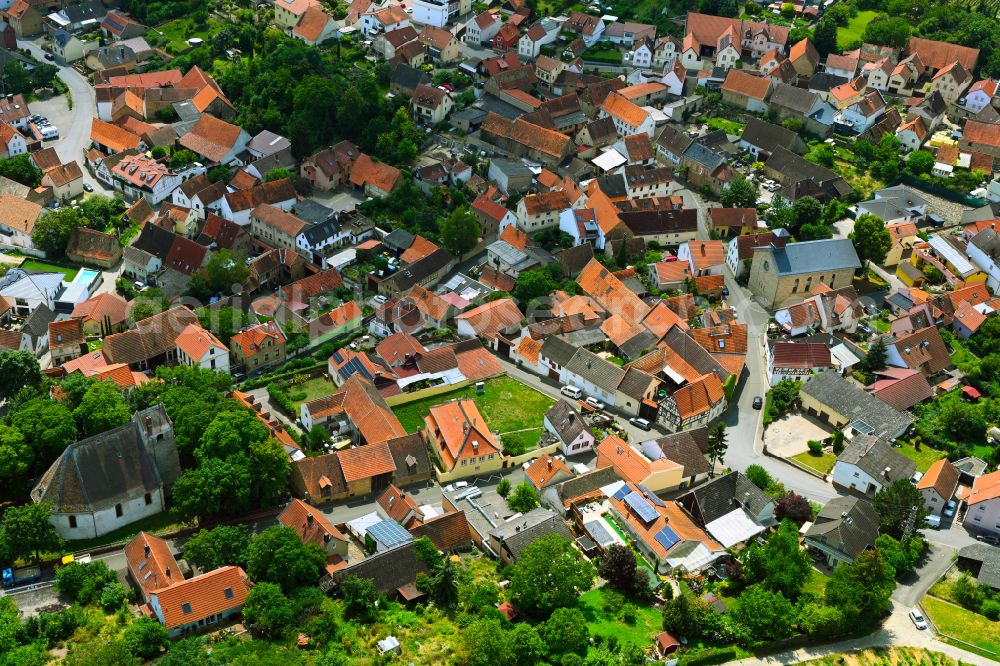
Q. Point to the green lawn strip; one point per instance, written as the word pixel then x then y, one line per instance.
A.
pixel 855 27
pixel 528 439
pixel 161 523
pixel 647 625
pixel 963 624
pixel 822 463
pixel 40 266
pixel 506 404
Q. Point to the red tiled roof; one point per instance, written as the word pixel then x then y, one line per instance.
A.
pixel 365 462
pixel 309 523
pixel 211 138
pixel 112 136
pixel 489 319
pixel 149 567
pixel 185 256
pixel 942 476
pixel 200 597
pixel 448 533
pixel 699 396
pixel 748 85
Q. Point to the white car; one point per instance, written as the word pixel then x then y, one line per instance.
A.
pixel 918 619
pixel 595 403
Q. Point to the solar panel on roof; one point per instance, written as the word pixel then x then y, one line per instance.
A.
pixel 650 495
pixel 622 492
pixel 389 533
pixel 642 508
pixel 667 537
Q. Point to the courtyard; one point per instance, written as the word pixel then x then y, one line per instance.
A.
pixel 789 436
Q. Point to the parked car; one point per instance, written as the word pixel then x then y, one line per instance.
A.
pixel 87 187
pixel 49 56
pixel 949 508
pixel 918 619
pixel 758 402
pixel 640 423
pixel 572 392
pixel 725 291
pixel 595 403
pixel 915 479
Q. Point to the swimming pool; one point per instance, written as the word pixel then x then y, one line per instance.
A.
pixel 87 276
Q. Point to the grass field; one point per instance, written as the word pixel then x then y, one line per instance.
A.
pixel 316 387
pixel 728 126
pixel 35 265
pixel 885 657
pixel 180 30
pixel 822 463
pixel 647 625
pixel 506 404
pixel 924 458
pixel 816 583
pixel 855 27
pixel 963 624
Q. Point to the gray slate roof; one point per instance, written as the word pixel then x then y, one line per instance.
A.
pixel 567 422
pixel 813 256
pixel 989 558
pixel 596 370
pixel 557 350
pixel 688 449
pixel 518 534
pixel 793 98
pixel 851 534
pixel 855 403
pixel 768 137
pixel 873 456
pixel 37 323
pixel 723 495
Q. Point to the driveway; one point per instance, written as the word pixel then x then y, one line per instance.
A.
pixel 338 200
pixel 73 124
pixel 789 435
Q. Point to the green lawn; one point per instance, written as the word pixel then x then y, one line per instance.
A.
pixel 728 126
pixel 507 405
pixel 178 31
pixel 161 523
pixel 924 458
pixel 963 624
pixel 647 625
pixel 816 583
pixel 36 265
pixel 855 27
pixel 314 388
pixel 822 463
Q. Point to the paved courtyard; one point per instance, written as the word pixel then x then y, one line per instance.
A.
pixel 789 435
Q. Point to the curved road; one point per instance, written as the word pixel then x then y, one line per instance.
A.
pixel 73 139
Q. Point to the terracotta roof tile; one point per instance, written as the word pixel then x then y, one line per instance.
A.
pixel 699 396
pixel 742 83
pixel 984 488
pixel 449 532
pixel 211 138
pixel 365 462
pixel 196 342
pixel 113 137
pixel 278 219
pixel 620 108
pixel 149 558
pixel 200 597
pixel 420 248
pixel 185 256
pixel 489 319
pixel 461 431
pixel 938 55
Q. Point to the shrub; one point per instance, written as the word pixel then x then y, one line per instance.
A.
pixel 991 609
pixel 759 477
pixel 815 447
pixel 968 593
pixel 113 596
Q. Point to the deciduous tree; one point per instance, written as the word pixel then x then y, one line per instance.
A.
pixel 33 534
pixel 900 508
pixel 871 239
pixel 794 507
pixel 550 574
pixel 101 409
pixel 619 568
pixel 766 613
pixel 17 370
pixel 741 193
pixel 278 555
pixel 217 547
pixel 861 590
pixel 684 617
pixel 566 632
pixel 268 610
pixel 145 638
pixel 524 498
pixel 53 228
pixel 459 232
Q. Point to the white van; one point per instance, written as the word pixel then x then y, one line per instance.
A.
pixel 572 392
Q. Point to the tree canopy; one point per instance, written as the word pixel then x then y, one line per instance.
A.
pixel 17 370
pixel 550 574
pixel 278 555
pixel 741 193
pixel 870 237
pixel 900 507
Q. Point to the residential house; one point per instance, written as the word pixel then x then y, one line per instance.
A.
pixel 704 257
pixel 201 601
pixel 746 91
pixel 460 438
pixel 200 195
pixel 442 46
pixel 330 167
pixel 981 137
pixel 868 464
pixel 984 251
pixel 509 539
pixel 800 177
pixel 761 139
pixel 506 38
pixel 215 141
pixel 547 471
pixel 315 27
pixel 525 139
pixel 740 250
pixel 66 181
pixel 842 403
pixel 730 508
pixel 492 216
pixel 980 95
pixel 200 348
pixel 536 212
pixel 795 360
pixel 628 118
pixel 923 350
pixel 983 499
pixel 152 342
pixel 313 527
pixel 66 340
pixel 151 565
pixel 17 220
pixel 102 314
pixel 430 105
pixel 938 485
pixel 566 423
pixel 377 179
pixel 540 34
pixel 647 466
pixel 275 226
pixel 729 222
pixel 141 176
pixel 258 348
pixel 26 18
pixel 238 206
pixel 825 309
pixel 662 531
pixel 482 28
pixel 951 81
pixel 113 479
pixel 912 134
pixel 844 528
pixel 489 320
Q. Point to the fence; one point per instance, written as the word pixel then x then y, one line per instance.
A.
pixel 404 398
pixel 943 192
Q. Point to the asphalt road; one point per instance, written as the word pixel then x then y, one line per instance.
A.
pixel 73 124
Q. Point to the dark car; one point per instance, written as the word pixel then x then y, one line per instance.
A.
pixel 758 402
pixel 49 56
pixel 87 187
pixel 725 291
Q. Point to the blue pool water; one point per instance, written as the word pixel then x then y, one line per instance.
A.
pixel 86 276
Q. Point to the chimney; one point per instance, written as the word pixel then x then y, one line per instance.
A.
pixel 167 572
pixel 549 463
pixel 146 550
pixel 886 472
pixel 326 537
pixel 309 518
